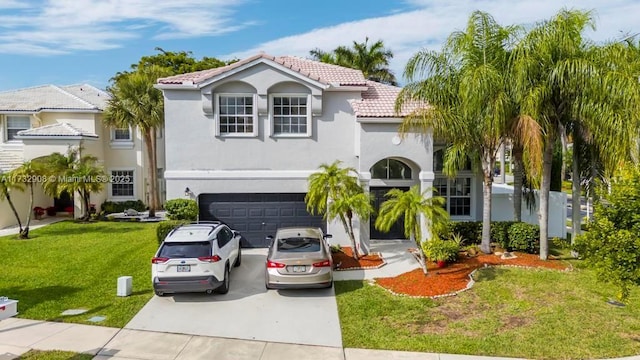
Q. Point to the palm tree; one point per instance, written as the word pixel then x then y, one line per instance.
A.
pixel 136 103
pixel 76 173
pixel 466 87
pixel 372 60
pixel 7 184
pixel 411 205
pixel 335 192
pixel 28 173
pixel 565 82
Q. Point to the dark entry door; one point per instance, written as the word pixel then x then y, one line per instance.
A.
pixel 397 230
pixel 63 202
pixel 256 216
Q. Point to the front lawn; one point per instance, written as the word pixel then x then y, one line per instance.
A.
pixel 71 265
pixel 509 312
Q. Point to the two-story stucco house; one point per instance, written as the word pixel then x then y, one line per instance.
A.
pixel 40 120
pixel 244 138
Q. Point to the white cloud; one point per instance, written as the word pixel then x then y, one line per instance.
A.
pixel 429 22
pixel 103 24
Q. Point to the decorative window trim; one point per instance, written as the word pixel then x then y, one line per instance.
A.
pixel 387 167
pixel 309 116
pixel 121 143
pixel 112 178
pixel 254 115
pixel 6 127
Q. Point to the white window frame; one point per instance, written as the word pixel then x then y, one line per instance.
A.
pixel 254 115
pixel 6 127
pixel 448 196
pixel 121 143
pixel 111 176
pixel 272 115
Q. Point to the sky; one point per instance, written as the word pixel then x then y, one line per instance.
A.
pixel 66 42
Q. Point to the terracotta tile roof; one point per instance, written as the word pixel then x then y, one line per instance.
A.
pixel 9 161
pixel 51 97
pixel 379 100
pixel 324 73
pixel 60 129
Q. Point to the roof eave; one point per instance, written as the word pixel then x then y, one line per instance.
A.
pixel 338 87
pixel 380 119
pixel 57 137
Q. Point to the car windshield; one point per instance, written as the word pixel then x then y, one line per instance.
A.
pixel 298 244
pixel 185 249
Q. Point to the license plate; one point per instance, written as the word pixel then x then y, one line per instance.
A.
pixel 184 268
pixel 299 268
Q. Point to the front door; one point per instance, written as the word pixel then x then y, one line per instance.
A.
pixel 397 230
pixel 63 203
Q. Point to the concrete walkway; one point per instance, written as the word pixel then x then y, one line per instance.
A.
pixel 394 252
pixel 14 230
pixel 17 336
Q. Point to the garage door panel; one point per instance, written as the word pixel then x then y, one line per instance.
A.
pixel 257 215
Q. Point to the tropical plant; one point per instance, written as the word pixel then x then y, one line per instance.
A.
pixel 412 206
pixel 372 60
pixel 182 209
pixel 135 103
pixel 441 250
pixel 611 246
pixel 467 89
pixel 563 82
pixel 74 173
pixel 7 184
pixel 334 192
pixel 29 173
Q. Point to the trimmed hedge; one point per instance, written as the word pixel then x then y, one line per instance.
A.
pixel 182 209
pixel 110 207
pixel 164 228
pixel 512 236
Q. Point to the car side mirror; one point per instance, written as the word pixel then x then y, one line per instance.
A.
pixel 328 236
pixel 236 233
pixel 270 239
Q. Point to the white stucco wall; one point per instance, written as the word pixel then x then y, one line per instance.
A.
pixel 502 209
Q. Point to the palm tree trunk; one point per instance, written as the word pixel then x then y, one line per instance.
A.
pixel 576 219
pixel 518 174
pixel 423 259
pixel 351 235
pixel 13 209
pixel 563 142
pixel 543 215
pixel 24 233
pixel 485 245
pixel 154 189
pixel 151 170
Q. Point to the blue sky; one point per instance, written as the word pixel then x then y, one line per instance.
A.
pixel 87 41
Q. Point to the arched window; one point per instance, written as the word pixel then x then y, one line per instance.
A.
pixel 438 161
pixel 391 169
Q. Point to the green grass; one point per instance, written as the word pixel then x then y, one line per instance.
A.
pixel 509 312
pixel 72 265
pixel 54 355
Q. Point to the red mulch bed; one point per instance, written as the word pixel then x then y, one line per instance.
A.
pixel 346 261
pixel 455 277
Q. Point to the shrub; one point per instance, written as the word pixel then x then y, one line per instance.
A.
pixel 440 250
pixel 182 209
pixel 110 207
pixel 164 228
pixel 500 233
pixel 524 237
pixel 471 231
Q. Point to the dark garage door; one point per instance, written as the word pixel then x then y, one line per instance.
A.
pixel 257 215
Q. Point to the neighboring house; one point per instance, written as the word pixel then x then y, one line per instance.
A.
pixel 40 120
pixel 243 139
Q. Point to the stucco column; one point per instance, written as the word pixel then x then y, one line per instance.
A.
pixel 363 228
pixel 426 183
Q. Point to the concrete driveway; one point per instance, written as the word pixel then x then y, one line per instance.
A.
pixel 248 311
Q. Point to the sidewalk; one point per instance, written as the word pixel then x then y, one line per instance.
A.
pixel 14 230
pixel 17 336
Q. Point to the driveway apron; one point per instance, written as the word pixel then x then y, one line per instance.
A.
pixel 248 311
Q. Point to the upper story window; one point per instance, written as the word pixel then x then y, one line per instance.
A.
pixel 438 161
pixel 236 114
pixel 291 115
pixel 15 124
pixel 121 134
pixel 391 169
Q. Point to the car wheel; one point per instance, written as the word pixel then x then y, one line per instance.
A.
pixel 224 288
pixel 159 293
pixel 239 258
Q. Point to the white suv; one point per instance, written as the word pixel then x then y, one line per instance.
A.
pixel 196 257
